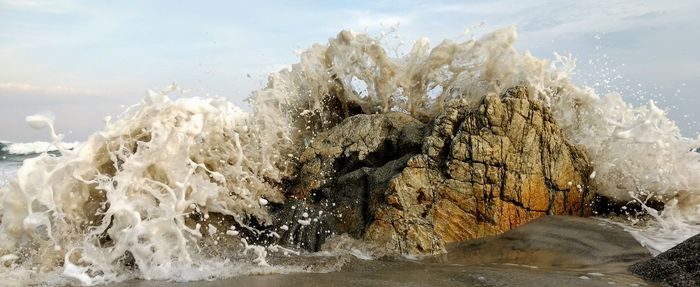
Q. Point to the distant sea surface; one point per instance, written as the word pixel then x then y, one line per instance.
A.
pixel 13 154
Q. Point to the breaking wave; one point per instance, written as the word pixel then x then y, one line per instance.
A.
pixel 29 148
pixel 175 177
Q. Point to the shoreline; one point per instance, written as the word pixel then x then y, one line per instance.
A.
pixel 552 251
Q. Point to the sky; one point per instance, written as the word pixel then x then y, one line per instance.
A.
pixel 84 60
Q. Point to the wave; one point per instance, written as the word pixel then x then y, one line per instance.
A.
pixel 29 148
pixel 175 175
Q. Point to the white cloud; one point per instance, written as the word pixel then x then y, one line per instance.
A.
pixel 58 6
pixel 95 50
pixel 486 8
pixel 23 96
pixel 56 90
pixel 373 21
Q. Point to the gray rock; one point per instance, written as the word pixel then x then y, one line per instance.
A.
pixel 679 266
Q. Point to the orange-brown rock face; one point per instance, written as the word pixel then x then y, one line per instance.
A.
pixel 472 172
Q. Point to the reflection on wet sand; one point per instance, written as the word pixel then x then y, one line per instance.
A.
pixel 552 251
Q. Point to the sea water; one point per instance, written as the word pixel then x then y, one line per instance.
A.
pixel 146 196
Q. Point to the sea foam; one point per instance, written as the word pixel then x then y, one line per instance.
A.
pixel 134 199
pixel 36 147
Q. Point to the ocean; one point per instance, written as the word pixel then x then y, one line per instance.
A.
pixel 12 155
pixel 119 205
pixel 8 169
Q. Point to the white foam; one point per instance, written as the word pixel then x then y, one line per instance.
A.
pixel 669 227
pixel 40 121
pixel 137 181
pixel 139 178
pixel 637 151
pixel 35 147
pixel 8 170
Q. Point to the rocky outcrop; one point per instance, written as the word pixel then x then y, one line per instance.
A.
pixel 474 171
pixel 679 266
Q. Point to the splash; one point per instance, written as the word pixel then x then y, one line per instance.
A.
pixel 637 150
pixel 140 198
pixel 639 154
pixel 129 195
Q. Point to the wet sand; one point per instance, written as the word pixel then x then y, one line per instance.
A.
pixel 552 251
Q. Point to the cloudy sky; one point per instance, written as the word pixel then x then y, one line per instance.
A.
pixel 82 60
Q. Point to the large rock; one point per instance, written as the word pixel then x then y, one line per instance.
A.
pixel 679 266
pixel 474 171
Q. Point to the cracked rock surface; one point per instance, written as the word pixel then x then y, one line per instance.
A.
pixel 474 171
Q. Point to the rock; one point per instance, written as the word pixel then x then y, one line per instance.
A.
pixel 679 266
pixel 357 142
pixel 474 171
pixel 344 172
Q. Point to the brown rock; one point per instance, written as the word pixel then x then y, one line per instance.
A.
pixel 472 172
